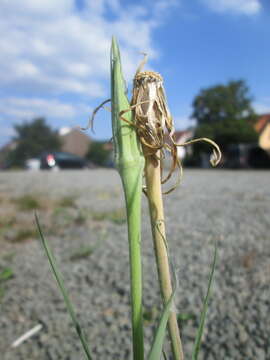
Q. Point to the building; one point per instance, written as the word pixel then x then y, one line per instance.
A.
pixel 180 138
pixel 262 126
pixel 74 141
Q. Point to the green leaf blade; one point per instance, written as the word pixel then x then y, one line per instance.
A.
pixel 157 344
pixel 63 290
pixel 199 334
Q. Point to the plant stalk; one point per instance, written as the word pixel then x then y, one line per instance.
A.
pixel 154 194
pixel 129 162
pixel 133 187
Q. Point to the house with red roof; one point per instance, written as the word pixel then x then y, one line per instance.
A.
pixel 262 127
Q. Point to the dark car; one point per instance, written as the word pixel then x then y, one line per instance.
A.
pixel 61 160
pixel 246 156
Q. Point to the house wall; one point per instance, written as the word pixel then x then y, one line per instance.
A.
pixel 75 142
pixel 264 139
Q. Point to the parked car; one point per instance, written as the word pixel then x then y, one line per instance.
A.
pixel 61 160
pixel 32 164
pixel 246 156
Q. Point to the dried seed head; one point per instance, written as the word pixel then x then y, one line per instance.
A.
pixel 144 77
pixel 152 115
pixel 153 120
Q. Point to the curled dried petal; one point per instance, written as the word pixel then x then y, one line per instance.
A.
pixel 152 120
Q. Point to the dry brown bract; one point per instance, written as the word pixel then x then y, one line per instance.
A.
pixel 154 123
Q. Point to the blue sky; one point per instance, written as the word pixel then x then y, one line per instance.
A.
pixel 55 54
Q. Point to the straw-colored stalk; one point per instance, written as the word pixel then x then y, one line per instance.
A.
pixel 151 115
pixel 154 194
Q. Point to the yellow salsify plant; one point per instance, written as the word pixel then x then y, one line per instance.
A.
pixel 140 141
pixel 153 123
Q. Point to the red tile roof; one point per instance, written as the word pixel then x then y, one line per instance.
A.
pixel 261 122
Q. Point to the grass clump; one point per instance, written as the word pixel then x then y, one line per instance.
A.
pixel 80 218
pixel 28 202
pixel 23 235
pixel 7 221
pixel 5 275
pixel 150 315
pixel 117 216
pixel 82 252
pixel 67 201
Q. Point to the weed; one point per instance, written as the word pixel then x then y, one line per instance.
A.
pixel 150 315
pixel 117 216
pixel 28 202
pixel 24 234
pixel 82 252
pixel 80 218
pixel 2 293
pixel 9 256
pixel 67 201
pixel 6 274
pixel 62 216
pixel 7 221
pixel 183 318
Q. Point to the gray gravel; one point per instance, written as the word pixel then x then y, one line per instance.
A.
pixel 231 207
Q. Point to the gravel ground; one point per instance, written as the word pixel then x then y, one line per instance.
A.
pixel 231 207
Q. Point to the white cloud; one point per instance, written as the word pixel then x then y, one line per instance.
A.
pixel 51 46
pixel 6 131
pixel 262 106
pixel 50 49
pixel 183 122
pixel 245 7
pixel 28 108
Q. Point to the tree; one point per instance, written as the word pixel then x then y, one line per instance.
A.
pixel 32 138
pixel 224 114
pixel 98 153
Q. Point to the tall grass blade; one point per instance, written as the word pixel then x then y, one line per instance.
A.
pixel 63 290
pixel 199 334
pixel 157 345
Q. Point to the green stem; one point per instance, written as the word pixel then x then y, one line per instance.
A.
pixel 132 183
pixel 129 161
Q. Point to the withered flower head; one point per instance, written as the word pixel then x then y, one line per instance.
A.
pixel 152 115
pixel 153 120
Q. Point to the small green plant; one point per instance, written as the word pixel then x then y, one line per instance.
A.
pixel 67 201
pixel 117 216
pixel 80 218
pixel 82 252
pixel 150 315
pixel 139 140
pixel 7 221
pixel 184 317
pixel 24 234
pixel 28 202
pixel 9 256
pixel 5 275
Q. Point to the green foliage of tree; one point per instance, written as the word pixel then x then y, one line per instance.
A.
pixel 32 139
pixel 98 154
pixel 224 114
